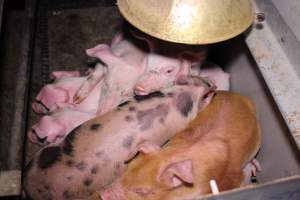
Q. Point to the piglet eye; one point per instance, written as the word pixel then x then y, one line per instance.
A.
pixel 169 71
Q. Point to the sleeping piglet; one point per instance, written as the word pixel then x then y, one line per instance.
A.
pixel 97 152
pixel 216 145
pixel 166 62
pixel 132 68
pixel 54 127
pixel 60 93
pixel 124 63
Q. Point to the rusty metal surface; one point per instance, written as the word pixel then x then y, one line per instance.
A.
pixel 278 71
pixel 10 182
pixel 283 22
pixel 14 79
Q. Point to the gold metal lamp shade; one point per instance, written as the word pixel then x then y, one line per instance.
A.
pixel 189 21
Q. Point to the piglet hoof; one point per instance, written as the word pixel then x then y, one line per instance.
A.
pixel 80 96
pixel 63 74
pixel 82 93
pixel 88 71
pixel 256 167
pixel 139 90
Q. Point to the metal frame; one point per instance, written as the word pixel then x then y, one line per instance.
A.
pixel 10 178
pixel 276 48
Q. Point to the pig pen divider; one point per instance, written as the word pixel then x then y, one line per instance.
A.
pixel 16 59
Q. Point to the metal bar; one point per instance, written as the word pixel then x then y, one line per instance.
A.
pixel 276 66
pixel 285 188
pixel 18 128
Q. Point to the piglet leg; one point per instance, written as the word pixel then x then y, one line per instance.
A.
pixel 92 80
pixel 63 74
pixel 250 171
pixel 103 52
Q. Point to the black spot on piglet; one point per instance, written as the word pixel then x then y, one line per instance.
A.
pixel 49 156
pixel 131 108
pixel 128 118
pixel 47 195
pixel 94 169
pixel 81 166
pixel 68 142
pixel 67 195
pixel 127 142
pixel 184 103
pixel 69 163
pixel 95 127
pixel 87 182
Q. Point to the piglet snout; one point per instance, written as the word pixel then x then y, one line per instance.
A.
pixel 47 130
pixel 34 138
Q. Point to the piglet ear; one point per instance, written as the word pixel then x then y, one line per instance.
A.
pixel 148 147
pixel 176 174
pixel 185 68
pixel 142 36
pixel 206 99
pixel 144 63
pixel 117 39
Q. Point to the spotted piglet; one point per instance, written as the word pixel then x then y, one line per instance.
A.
pixel 219 144
pixel 97 152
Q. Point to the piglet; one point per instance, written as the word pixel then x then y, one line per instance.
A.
pixel 124 63
pixel 161 72
pixel 133 69
pixel 39 135
pixel 217 145
pixel 97 152
pixel 166 62
pixel 60 93
pixel 54 127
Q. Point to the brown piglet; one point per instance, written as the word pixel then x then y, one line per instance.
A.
pixel 217 145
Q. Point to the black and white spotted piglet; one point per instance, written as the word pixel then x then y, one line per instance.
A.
pixel 97 152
